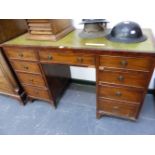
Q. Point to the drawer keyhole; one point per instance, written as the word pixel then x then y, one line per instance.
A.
pixel 26 67
pixel 20 55
pixel 118 93
pixel 79 59
pixel 115 109
pixel 121 78
pixel 32 80
pixel 50 57
pixel 123 63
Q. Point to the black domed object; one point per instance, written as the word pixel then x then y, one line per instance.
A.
pixel 127 32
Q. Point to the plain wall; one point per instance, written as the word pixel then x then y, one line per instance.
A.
pixel 85 73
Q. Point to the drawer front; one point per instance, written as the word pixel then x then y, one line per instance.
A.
pixel 21 53
pixel 26 66
pixel 120 93
pixel 118 108
pixel 37 93
pixel 135 79
pixel 35 80
pixel 67 58
pixel 143 64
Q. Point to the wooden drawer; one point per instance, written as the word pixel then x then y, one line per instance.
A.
pixel 135 79
pixel 21 53
pixel 120 93
pixel 67 58
pixel 35 80
pixel 118 108
pixel 26 66
pixel 142 64
pixel 37 93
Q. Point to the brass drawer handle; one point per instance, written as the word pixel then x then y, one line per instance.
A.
pixel 101 68
pixel 50 57
pixel 20 55
pixel 79 59
pixel 26 67
pixel 121 78
pixel 123 63
pixel 118 93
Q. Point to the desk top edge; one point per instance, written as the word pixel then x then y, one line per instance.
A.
pixel 73 41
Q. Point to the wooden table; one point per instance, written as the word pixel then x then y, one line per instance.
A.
pixel 123 71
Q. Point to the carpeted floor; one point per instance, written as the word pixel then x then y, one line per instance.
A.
pixel 75 114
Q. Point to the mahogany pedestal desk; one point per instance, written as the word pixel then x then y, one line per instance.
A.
pixel 123 71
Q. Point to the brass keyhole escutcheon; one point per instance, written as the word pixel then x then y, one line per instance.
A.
pixel 50 57
pixel 79 59
pixel 120 78
pixel 26 67
pixel 118 93
pixel 32 80
pixel 20 55
pixel 115 109
pixel 123 63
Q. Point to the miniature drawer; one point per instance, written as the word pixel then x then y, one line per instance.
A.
pixel 21 53
pixel 133 63
pixel 120 93
pixel 26 67
pixel 37 93
pixel 134 79
pixel 118 108
pixel 31 79
pixel 66 58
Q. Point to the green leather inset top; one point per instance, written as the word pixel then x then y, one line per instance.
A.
pixel 72 40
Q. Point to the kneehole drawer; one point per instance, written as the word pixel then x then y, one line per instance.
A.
pixel 67 58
